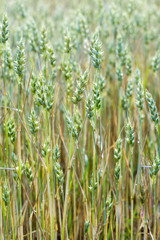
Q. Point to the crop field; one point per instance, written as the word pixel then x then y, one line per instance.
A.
pixel 79 120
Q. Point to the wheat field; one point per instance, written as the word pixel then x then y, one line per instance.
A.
pixel 79 120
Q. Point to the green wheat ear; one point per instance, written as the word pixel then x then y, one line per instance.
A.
pixel 102 83
pixel 56 153
pixel 33 83
pixel 46 148
pixel 119 74
pixel 52 57
pixel 156 62
pixel 128 65
pixel 118 150
pixel 33 123
pixel 66 69
pixel 121 53
pixel 67 43
pixel 17 170
pixel 81 84
pixel 124 103
pixel 44 42
pixel 155 168
pixel 117 157
pixel 96 52
pixel 137 76
pixel 117 172
pixel 130 136
pixel 140 96
pixel 11 130
pixel 57 167
pixel 129 90
pixel 90 111
pixel 77 119
pixel 6 195
pixel 152 108
pixel 96 96
pixel 74 124
pixel 20 60
pixel 28 171
pixel 5 32
pixel 8 59
pixel 109 204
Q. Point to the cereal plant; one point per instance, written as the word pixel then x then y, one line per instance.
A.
pixel 79 120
